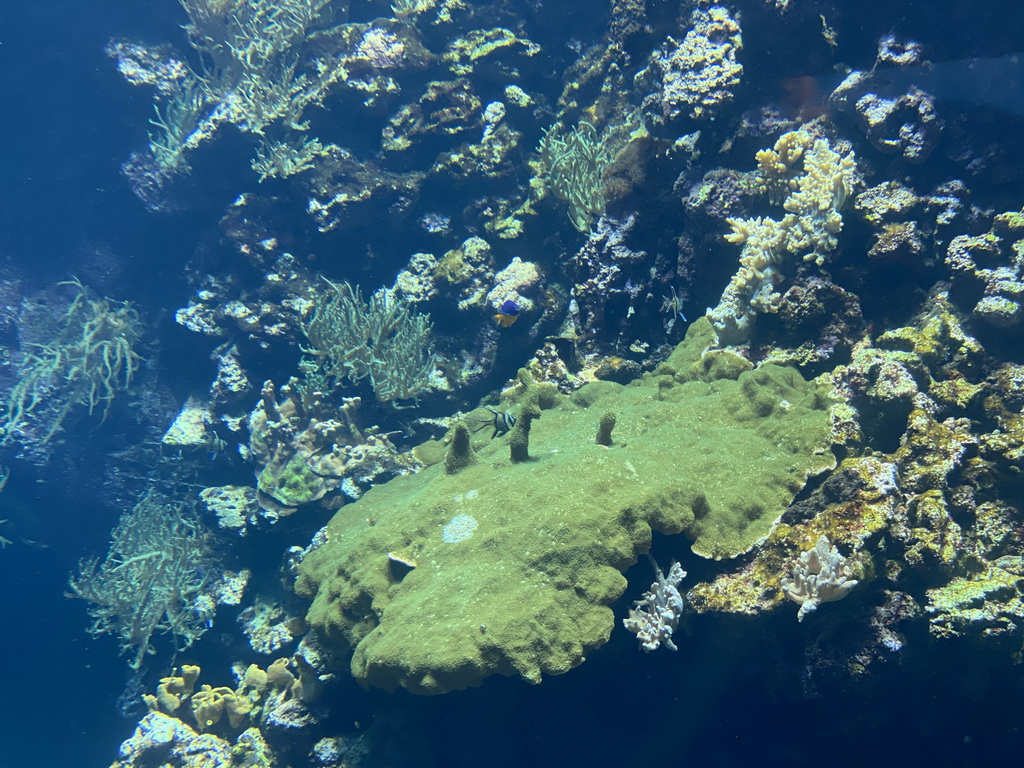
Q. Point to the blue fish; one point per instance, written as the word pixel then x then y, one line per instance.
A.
pixel 507 314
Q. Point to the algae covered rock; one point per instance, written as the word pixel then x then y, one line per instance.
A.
pixel 516 565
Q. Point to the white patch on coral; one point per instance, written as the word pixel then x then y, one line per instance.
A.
pixel 459 528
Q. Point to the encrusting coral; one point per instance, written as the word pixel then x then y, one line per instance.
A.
pixel 993 263
pixel 306 447
pixel 526 587
pixel 698 75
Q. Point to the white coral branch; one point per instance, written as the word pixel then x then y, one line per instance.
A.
pixel 655 617
pixel 821 575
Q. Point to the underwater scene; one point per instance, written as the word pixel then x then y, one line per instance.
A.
pixel 459 383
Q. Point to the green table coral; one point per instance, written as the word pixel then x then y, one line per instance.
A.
pixel 438 580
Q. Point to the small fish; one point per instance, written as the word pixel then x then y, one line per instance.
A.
pixel 507 314
pixel 501 421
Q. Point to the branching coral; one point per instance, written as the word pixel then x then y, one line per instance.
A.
pixel 254 71
pixel 154 579
pixel 810 227
pixel 251 59
pixel 821 575
pixel 655 617
pixel 381 340
pixel 90 358
pixel 280 159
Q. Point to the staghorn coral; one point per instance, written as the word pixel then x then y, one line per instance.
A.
pixel 809 228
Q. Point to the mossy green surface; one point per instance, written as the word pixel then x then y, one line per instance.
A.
pixel 294 485
pixel 529 592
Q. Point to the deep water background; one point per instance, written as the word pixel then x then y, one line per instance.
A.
pixel 67 121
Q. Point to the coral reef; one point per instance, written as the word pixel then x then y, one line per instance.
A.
pixel 253 71
pixel 844 423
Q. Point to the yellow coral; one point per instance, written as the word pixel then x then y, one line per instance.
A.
pixel 813 220
pixel 811 226
pixel 208 705
pixel 172 690
pixel 779 166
